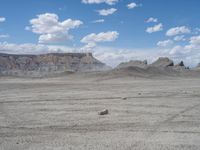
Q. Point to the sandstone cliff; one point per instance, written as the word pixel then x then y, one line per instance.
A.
pixel 38 65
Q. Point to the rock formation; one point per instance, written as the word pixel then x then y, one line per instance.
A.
pixel 181 64
pixel 103 112
pixel 161 67
pixel 163 62
pixel 45 64
pixel 133 63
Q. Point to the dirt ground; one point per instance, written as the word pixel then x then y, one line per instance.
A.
pixel 62 114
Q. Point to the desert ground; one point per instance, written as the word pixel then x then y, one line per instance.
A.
pixel 61 113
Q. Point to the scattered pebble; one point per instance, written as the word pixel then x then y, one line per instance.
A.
pixel 103 112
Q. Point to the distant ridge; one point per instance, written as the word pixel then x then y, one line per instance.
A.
pixel 46 64
pixel 163 66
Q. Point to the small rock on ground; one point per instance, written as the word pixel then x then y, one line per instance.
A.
pixel 103 112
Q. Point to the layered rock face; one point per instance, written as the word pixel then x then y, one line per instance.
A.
pixel 49 63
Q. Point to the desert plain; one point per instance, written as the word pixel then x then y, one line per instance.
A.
pixel 61 113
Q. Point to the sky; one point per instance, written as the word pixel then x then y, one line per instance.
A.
pixel 113 30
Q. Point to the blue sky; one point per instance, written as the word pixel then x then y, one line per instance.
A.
pixel 114 30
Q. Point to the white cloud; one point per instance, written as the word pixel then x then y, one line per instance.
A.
pixel 93 38
pixel 176 49
pixel 179 38
pixel 106 12
pixel 109 2
pixel 88 47
pixel 151 19
pixel 29 48
pixel 194 44
pixel 98 21
pixel 156 28
pixel 51 38
pixel 114 56
pixel 100 37
pixel 4 36
pixel 165 43
pixel 195 40
pixel 132 5
pixel 50 29
pixel 2 19
pixel 178 30
pixel 190 53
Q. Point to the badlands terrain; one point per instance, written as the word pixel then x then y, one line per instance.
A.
pixel 62 113
pixel 151 107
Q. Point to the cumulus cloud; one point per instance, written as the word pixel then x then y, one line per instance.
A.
pixel 106 12
pixel 156 28
pixel 195 40
pixel 151 19
pixel 50 29
pixel 100 37
pixel 98 21
pixel 109 2
pixel 114 56
pixel 180 51
pixel 165 43
pixel 29 48
pixel 132 5
pixel 2 19
pixel 178 30
pixel 91 39
pixel 88 47
pixel 190 52
pixel 51 38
